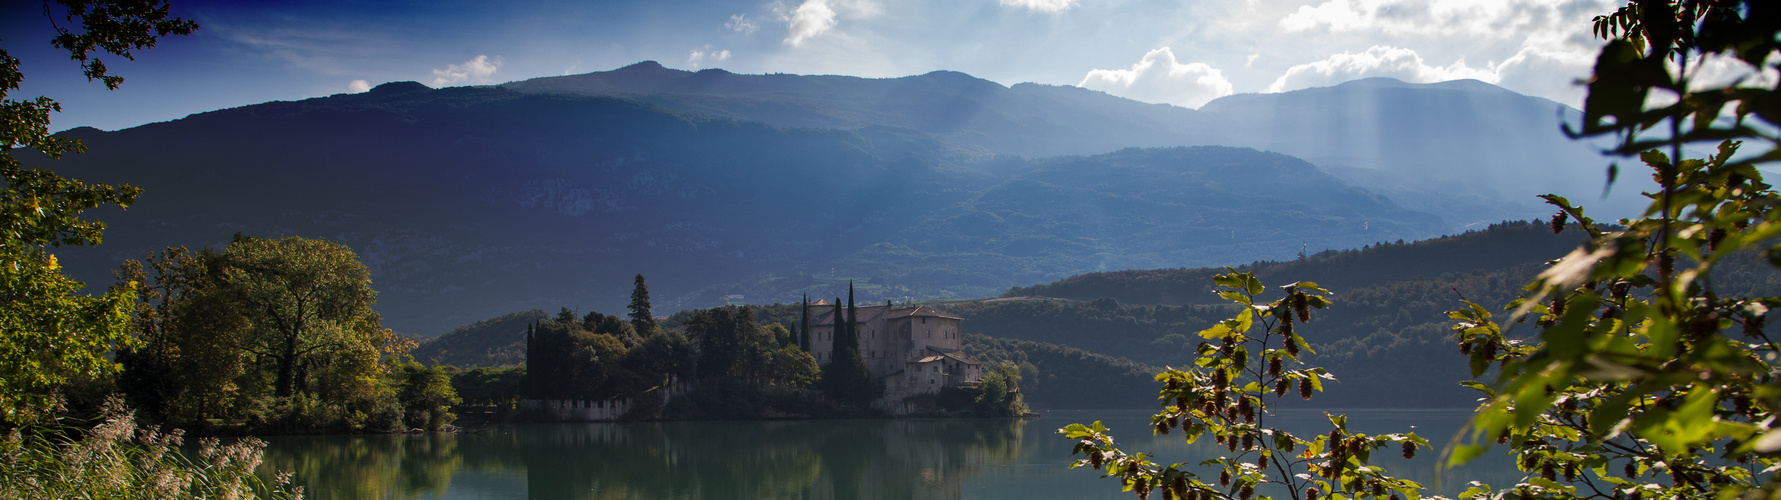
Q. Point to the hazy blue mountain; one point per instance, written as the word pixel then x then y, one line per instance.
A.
pixel 1467 151
pixel 1471 152
pixel 977 115
pixel 467 203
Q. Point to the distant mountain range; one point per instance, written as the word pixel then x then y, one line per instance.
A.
pixel 1470 152
pixel 472 202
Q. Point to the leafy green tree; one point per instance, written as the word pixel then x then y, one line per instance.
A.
pixel 794 367
pixel 642 320
pixel 427 395
pixel 611 325
pixel 188 333
pixel 731 345
pixel 47 333
pixel 308 302
pixel 498 385
pixel 663 357
pixel 1246 363
pixel 1000 389
pixel 1646 380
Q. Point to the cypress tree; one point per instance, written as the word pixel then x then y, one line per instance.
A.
pixel 804 323
pixel 846 378
pixel 835 334
pixel 642 319
pixel 853 333
pixel 531 379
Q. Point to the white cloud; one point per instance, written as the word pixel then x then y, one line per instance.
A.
pixel 1548 71
pixel 474 71
pixel 357 86
pixel 1159 77
pixel 1505 19
pixel 1041 5
pixel 700 55
pixel 811 18
pixel 740 24
pixel 1378 61
pixel 1718 70
pixel 815 17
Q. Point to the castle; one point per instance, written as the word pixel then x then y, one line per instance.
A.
pixel 911 350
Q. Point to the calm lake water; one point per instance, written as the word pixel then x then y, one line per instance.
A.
pixel 831 459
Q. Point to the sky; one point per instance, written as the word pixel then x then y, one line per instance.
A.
pixel 1181 52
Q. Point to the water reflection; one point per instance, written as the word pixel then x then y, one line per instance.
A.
pixel 819 460
pixel 842 460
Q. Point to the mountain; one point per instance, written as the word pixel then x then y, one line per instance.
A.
pixel 979 116
pixel 496 341
pixel 1386 338
pixel 1467 151
pixel 1470 152
pixel 471 202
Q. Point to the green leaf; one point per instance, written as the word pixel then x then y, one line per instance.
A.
pixel 1568 340
pixel 1463 454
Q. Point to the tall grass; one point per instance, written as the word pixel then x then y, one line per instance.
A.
pixel 116 459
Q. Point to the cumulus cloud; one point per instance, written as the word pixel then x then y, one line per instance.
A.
pixel 1041 5
pixel 811 18
pixel 357 86
pixel 1159 77
pixel 701 55
pixel 740 24
pixel 1378 61
pixel 1507 19
pixel 474 71
pixel 815 17
pixel 1547 71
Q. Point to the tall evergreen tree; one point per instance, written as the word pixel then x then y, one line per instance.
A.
pixel 531 382
pixel 836 344
pixel 642 319
pixel 804 323
pixel 846 378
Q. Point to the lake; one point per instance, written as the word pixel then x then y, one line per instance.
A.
pixel 813 459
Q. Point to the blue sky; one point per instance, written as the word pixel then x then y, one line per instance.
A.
pixel 1179 52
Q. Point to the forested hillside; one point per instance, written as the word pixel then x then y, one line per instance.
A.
pixel 495 341
pixel 518 200
pixel 927 187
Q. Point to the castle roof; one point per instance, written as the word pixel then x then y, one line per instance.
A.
pixel 919 311
pixel 860 315
pixel 937 353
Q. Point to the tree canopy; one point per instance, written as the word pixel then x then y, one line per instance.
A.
pixel 47 332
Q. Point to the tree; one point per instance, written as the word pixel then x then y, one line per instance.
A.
pixel 846 378
pixel 794 366
pixel 804 323
pixel 999 391
pixel 611 325
pixel 188 336
pixel 427 395
pixel 1247 361
pixel 307 301
pixel 643 321
pixel 1637 373
pixel 730 344
pixel 47 333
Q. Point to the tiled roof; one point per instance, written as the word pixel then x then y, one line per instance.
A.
pixel 923 311
pixel 860 315
pixel 929 359
pixel 955 354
